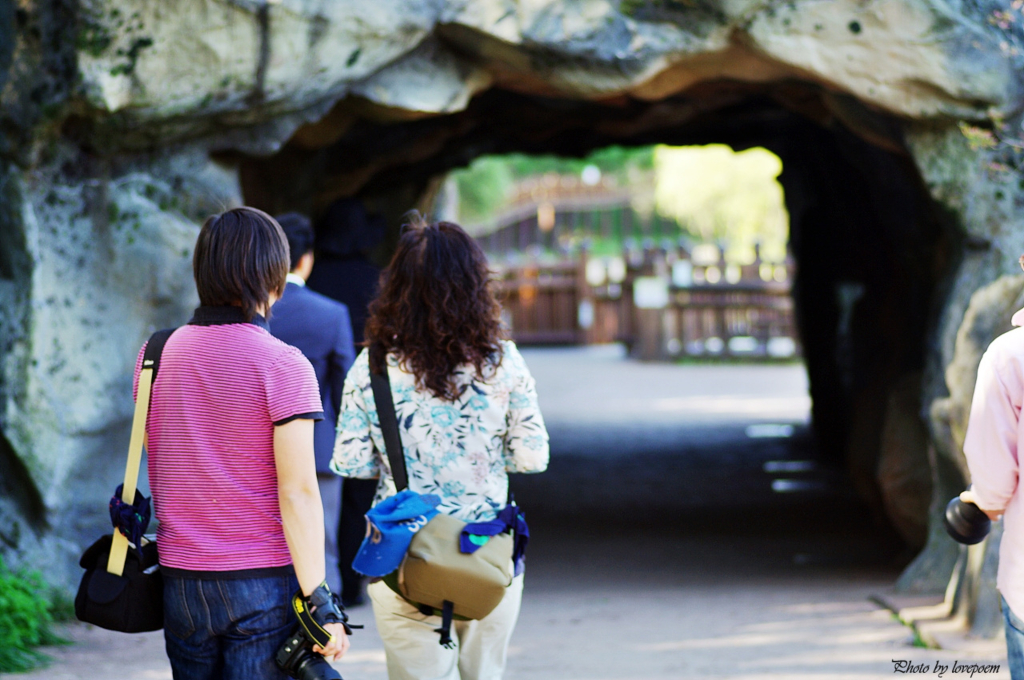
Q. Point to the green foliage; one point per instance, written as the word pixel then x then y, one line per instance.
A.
pixel 917 640
pixel 977 137
pixel 710 193
pixel 605 247
pixel 131 56
pixel 485 184
pixel 632 8
pixel 62 609
pixel 26 614
pixel 613 160
pixel 483 187
pixel 92 38
pixel 725 196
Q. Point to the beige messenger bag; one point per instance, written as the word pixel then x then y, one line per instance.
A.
pixel 436 571
pixel 451 568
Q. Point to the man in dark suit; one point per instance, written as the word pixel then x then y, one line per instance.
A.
pixel 321 329
pixel 344 272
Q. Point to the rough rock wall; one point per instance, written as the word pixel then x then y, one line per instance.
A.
pixel 186 66
pixel 110 111
pixel 983 198
pixel 106 261
pixel 986 317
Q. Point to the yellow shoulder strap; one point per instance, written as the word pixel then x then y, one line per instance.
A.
pixel 119 548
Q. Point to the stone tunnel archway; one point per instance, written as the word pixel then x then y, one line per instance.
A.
pixel 125 123
pixel 874 251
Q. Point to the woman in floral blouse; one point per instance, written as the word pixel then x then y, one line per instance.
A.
pixel 467 410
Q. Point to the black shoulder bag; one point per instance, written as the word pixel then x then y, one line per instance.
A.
pixel 123 589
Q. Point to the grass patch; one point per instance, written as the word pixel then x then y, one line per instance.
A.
pixel 917 641
pixel 28 608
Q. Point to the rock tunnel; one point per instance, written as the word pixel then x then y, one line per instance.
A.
pixel 874 251
pixel 126 123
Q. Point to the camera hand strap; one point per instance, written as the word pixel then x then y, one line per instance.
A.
pixel 150 363
pixel 385 402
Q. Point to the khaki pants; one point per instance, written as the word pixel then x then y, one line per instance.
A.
pixel 412 648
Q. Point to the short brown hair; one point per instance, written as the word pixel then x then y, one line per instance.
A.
pixel 241 257
pixel 436 310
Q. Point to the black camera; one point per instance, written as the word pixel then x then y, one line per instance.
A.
pixel 297 658
pixel 966 522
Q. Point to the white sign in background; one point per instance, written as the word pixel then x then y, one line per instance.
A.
pixel 650 292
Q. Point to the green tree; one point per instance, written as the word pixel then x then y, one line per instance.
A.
pixel 485 185
pixel 724 195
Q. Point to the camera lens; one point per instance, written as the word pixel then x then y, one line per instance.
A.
pixel 966 522
pixel 297 658
pixel 315 667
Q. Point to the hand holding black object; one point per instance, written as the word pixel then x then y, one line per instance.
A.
pixel 321 636
pixel 326 607
pixel 317 614
pixel 965 521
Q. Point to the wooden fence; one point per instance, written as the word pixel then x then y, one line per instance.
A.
pixel 653 296
pixel 660 303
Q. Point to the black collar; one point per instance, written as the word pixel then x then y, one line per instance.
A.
pixel 218 316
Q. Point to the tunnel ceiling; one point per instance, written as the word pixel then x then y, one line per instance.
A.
pixel 352 152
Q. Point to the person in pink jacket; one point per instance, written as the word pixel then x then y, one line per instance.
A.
pixel 993 438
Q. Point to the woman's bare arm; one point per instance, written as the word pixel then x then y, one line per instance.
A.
pixel 302 513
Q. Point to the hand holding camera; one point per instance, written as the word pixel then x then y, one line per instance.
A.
pixel 322 634
pixel 965 521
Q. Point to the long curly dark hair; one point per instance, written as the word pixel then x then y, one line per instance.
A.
pixel 436 310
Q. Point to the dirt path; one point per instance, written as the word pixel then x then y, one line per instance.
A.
pixel 646 608
pixel 663 546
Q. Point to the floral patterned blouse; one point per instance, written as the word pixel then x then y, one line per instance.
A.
pixel 461 451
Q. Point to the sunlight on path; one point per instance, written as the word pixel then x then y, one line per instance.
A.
pixel 600 384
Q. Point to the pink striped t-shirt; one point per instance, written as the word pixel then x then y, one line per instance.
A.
pixel 221 386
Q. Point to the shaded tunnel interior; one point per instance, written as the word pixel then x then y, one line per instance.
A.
pixel 874 253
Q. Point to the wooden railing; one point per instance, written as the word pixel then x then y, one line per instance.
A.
pixel 541 302
pixel 661 304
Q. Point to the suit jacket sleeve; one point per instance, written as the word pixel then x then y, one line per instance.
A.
pixel 342 356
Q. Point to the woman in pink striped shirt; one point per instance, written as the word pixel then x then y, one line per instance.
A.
pixel 231 466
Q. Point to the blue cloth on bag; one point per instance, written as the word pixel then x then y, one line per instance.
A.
pixel 131 520
pixel 511 518
pixel 391 525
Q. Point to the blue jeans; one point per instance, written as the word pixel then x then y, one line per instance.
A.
pixel 1014 642
pixel 227 628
